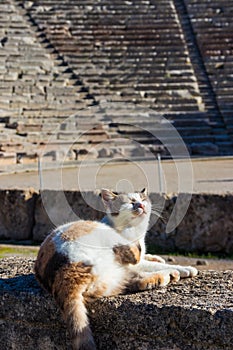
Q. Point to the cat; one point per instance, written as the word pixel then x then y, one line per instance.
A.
pixel 82 260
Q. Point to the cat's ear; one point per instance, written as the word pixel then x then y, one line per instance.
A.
pixel 107 195
pixel 144 191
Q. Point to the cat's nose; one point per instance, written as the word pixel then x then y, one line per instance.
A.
pixel 138 205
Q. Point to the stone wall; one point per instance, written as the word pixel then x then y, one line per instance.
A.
pixel 192 314
pixel 17 209
pixel 206 227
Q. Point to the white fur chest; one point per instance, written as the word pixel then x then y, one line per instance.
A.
pixel 96 249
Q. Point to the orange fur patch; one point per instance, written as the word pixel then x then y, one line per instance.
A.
pixel 127 254
pixel 70 283
pixel 140 281
pixel 136 250
pixel 47 250
pixel 78 229
pixel 150 282
pixel 71 277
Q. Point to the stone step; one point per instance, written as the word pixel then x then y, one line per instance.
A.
pixel 173 139
pixel 4 136
pixel 90 135
pixel 26 158
pixel 225 147
pixel 7 158
pixel 161 130
pixel 199 303
pixel 24 128
pixel 147 64
pixel 13 147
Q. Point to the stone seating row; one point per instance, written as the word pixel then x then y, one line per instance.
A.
pixel 76 54
pixel 120 40
pixel 213 28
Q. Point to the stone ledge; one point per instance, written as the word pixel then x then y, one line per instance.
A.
pixel 193 314
pixel 206 226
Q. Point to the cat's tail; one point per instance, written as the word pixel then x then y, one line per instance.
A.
pixel 67 282
pixel 77 322
pixel 69 287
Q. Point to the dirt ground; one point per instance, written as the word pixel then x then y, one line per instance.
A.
pixel 202 264
pixel 198 175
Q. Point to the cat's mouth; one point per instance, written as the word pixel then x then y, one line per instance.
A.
pixel 139 212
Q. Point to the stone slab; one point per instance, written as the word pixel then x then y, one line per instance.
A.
pixel 193 314
pixel 17 214
pixel 206 226
pixel 56 207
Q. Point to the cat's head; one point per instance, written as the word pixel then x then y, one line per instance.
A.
pixel 126 209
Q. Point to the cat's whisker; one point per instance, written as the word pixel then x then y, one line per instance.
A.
pixel 157 207
pixel 159 215
pixel 157 210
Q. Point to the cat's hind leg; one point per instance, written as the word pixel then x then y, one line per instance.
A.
pixel 157 258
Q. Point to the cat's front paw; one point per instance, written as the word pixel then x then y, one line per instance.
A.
pixel 161 278
pixel 187 271
pixel 167 276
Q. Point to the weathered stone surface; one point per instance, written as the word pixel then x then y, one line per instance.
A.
pixel 17 214
pixel 210 223
pixel 205 148
pixel 192 314
pixel 56 208
pixel 6 157
pixel 206 227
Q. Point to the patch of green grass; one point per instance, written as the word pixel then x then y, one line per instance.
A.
pixel 29 251
pixel 151 249
pixel 6 251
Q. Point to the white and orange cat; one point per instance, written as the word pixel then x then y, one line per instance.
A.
pixel 88 259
